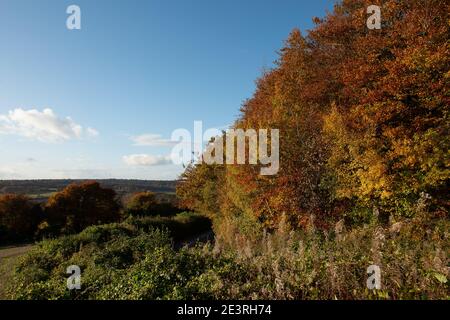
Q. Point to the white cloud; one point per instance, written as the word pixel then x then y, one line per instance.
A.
pixel 92 132
pixel 146 160
pixel 154 140
pixel 43 126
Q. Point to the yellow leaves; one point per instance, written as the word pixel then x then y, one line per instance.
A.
pixel 334 124
pixel 447 75
pixel 373 178
pixel 402 149
pixel 441 278
pixel 43 226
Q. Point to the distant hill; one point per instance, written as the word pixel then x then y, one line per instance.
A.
pixel 42 189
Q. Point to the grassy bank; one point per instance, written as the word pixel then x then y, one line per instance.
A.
pixel 124 261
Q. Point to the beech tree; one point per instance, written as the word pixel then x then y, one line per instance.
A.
pixel 81 205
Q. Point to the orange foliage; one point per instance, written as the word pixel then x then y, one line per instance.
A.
pixel 81 205
pixel 363 118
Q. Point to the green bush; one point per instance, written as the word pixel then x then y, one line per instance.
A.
pixel 180 227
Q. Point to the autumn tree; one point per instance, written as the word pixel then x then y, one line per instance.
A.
pixel 389 131
pixel 18 217
pixel 81 205
pixel 200 188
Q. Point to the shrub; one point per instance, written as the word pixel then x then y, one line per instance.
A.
pixel 180 227
pixel 142 204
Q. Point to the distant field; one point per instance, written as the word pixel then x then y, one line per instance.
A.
pixel 9 256
pixel 42 197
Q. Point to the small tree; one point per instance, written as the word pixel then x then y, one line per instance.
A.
pixel 81 205
pixel 18 217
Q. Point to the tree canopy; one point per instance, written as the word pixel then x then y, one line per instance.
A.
pixel 363 117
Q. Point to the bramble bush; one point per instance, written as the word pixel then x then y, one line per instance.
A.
pixel 147 204
pixel 180 227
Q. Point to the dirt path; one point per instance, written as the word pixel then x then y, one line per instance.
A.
pixel 9 257
pixel 9 252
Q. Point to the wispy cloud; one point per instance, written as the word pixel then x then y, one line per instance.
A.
pixel 43 126
pixel 153 140
pixel 146 160
pixel 91 132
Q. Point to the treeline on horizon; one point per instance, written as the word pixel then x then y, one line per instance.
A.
pixel 121 186
pixel 364 126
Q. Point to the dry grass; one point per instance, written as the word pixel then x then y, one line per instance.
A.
pixel 327 265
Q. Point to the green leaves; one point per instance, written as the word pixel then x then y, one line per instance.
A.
pixel 440 277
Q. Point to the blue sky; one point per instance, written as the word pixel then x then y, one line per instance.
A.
pixel 83 103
